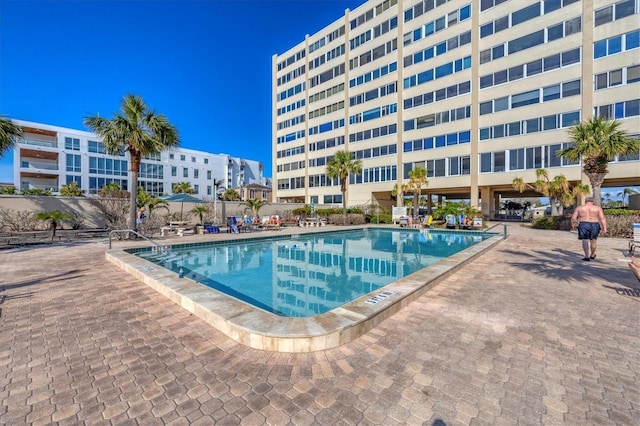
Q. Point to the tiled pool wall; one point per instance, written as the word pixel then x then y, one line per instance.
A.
pixel 262 330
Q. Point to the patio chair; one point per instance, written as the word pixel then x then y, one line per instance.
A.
pixel 450 221
pixel 464 221
pixel 274 223
pixel 477 222
pixel 426 223
pixel 232 225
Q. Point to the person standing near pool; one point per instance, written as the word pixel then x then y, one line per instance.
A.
pixel 588 219
pixel 140 217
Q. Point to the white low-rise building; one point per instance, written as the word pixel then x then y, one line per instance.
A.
pixel 48 157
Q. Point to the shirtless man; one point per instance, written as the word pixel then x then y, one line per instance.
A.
pixel 588 219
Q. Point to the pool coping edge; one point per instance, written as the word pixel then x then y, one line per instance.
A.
pixel 262 330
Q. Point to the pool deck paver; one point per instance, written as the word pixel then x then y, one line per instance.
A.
pixel 527 333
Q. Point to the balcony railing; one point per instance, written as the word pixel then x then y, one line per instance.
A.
pixel 27 185
pixel 48 144
pixel 38 165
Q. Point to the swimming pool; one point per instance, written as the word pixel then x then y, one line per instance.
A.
pixel 308 275
pixel 261 328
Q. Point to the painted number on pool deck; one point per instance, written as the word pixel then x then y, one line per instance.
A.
pixel 379 297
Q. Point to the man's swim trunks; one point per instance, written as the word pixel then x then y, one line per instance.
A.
pixel 588 230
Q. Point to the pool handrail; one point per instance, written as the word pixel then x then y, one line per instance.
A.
pixel 504 229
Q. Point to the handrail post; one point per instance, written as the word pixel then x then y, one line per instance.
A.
pixel 505 230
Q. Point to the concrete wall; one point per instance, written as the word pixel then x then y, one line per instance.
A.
pixel 79 205
pixel 83 206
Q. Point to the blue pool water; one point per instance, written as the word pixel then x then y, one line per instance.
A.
pixel 307 275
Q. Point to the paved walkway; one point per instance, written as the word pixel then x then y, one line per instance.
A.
pixel 526 334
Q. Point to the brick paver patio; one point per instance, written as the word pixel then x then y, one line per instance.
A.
pixel 526 334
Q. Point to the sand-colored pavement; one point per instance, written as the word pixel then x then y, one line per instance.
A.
pixel 527 333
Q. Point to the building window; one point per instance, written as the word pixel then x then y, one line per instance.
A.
pixel 526 98
pixel 602 16
pixel 72 144
pixel 73 163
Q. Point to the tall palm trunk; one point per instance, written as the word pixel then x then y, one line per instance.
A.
pixel 133 200
pixel 596 180
pixel 343 189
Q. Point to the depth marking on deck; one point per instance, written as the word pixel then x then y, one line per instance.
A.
pixel 379 297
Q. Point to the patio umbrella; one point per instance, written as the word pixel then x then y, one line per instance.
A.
pixel 182 198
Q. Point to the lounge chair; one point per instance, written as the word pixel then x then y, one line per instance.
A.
pixel 274 223
pixel 232 225
pixel 404 221
pixel 477 222
pixel 464 221
pixel 450 221
pixel 210 228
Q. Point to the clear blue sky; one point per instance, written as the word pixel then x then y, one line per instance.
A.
pixel 205 64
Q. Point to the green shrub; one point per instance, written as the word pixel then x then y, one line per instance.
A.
pixel 326 212
pixel 619 222
pixel 351 219
pixel 39 192
pixel 547 222
pixel 621 225
pixel 381 218
pixel 621 212
pixel 302 211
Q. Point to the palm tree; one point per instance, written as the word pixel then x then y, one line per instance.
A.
pixel 183 188
pixel 625 193
pixel 9 133
pixel 230 195
pixel 155 203
pixel 399 191
pixel 143 198
pixel 200 211
pixel 597 141
pixel 138 130
pixel 558 190
pixel 71 190
pixel 254 205
pixel 151 201
pixel 417 180
pixel 341 166
pixel 55 218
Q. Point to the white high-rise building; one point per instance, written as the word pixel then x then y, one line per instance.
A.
pixel 48 157
pixel 478 92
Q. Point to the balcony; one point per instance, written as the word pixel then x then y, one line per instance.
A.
pixel 38 154
pixel 47 144
pixel 38 165
pixel 26 185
